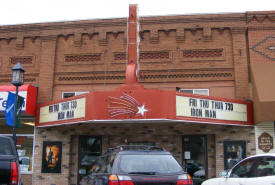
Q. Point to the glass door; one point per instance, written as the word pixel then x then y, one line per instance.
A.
pixel 194 157
pixel 89 149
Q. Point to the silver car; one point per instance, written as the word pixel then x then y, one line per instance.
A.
pixel 254 170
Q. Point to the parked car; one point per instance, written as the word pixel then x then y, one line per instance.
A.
pixel 199 176
pixel 9 163
pixel 139 165
pixel 254 170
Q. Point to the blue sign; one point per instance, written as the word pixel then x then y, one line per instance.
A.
pixel 9 112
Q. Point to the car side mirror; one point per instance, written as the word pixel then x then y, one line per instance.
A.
pixel 224 173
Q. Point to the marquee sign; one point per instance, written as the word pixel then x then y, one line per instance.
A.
pixel 210 109
pixel 142 105
pixel 63 111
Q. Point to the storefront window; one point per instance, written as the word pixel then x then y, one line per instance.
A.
pixel 234 151
pixel 25 151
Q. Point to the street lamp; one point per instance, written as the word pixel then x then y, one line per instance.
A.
pixel 17 80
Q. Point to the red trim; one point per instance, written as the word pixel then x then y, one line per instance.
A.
pixel 60 122
pixel 131 68
pixel 31 100
pixel 5 88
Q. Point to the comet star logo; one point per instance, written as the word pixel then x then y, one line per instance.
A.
pixel 125 105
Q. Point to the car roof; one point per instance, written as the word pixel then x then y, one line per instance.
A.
pixel 134 149
pixel 262 155
pixel 131 152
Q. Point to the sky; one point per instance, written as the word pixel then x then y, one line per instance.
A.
pixel 38 11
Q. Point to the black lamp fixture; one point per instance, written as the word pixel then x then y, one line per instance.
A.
pixel 17 80
pixel 17 75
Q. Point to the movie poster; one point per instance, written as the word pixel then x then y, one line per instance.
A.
pixel 51 157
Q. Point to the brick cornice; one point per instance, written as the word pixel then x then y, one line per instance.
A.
pixel 48 37
pixel 238 22
pixel 121 22
pixel 261 27
pixel 238 30
pixel 201 18
pixel 261 16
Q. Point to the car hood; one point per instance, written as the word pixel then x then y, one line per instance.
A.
pixel 214 181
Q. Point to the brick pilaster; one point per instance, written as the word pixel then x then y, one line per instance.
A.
pixel 240 62
pixel 46 73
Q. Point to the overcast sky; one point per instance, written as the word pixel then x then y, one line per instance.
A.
pixel 37 11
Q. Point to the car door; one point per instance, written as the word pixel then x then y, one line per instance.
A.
pixel 239 173
pixel 263 172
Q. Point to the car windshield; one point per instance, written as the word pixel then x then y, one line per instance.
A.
pixel 149 164
pixel 5 148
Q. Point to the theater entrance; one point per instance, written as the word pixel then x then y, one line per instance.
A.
pixel 194 156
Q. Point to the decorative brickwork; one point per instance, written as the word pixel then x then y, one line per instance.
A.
pixel 77 39
pixel 266 47
pixel 186 76
pixel 145 55
pixel 207 33
pixel 154 55
pixel 19 41
pixel 180 35
pixel 28 60
pixel 150 56
pixel 28 78
pixel 202 53
pixel 261 17
pixel 83 78
pixel 120 56
pixel 145 76
pixel 89 58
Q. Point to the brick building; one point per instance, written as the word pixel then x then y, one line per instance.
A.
pixel 209 54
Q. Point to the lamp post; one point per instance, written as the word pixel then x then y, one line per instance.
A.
pixel 17 80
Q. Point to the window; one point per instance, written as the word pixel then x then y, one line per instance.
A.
pixel 25 151
pixel 5 148
pixel 265 166
pixel 71 94
pixel 89 150
pixel 243 169
pixel 102 165
pixel 194 91
pixel 255 167
pixel 234 151
pixel 154 163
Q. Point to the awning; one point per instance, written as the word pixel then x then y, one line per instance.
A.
pixel 263 82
